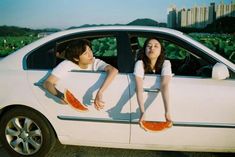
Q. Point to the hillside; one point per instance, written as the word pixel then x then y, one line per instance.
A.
pixel 18 31
pixel 137 22
pixel 222 25
pixel 144 22
pixel 94 25
pixel 15 31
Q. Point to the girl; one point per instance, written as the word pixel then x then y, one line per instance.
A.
pixel 153 62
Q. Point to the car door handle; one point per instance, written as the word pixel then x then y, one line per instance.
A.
pixel 151 90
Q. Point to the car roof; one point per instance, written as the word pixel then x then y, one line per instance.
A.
pixel 120 28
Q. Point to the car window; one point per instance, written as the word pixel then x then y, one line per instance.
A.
pixel 51 54
pixel 183 61
pixel 42 58
pixel 105 48
pixel 223 44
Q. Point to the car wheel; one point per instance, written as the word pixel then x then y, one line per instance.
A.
pixel 25 132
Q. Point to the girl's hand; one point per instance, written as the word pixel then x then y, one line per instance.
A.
pixel 168 117
pixel 142 117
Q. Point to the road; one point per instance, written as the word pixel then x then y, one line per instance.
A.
pixel 75 151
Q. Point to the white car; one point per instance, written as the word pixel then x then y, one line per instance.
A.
pixel 202 95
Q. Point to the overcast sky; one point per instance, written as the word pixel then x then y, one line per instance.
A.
pixel 66 13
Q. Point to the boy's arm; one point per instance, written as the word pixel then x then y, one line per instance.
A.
pixel 49 85
pixel 111 73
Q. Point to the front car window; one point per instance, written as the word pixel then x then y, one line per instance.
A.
pixel 222 44
pixel 183 61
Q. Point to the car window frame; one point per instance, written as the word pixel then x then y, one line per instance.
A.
pixel 177 41
pixel 26 57
pixel 119 35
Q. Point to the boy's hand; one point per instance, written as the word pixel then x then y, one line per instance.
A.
pixel 99 104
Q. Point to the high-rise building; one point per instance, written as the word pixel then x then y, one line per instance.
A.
pixel 183 18
pixel 220 10
pixel 171 17
pixel 212 15
pixel 199 16
pixel 225 10
pixel 194 14
pixel 233 8
pixel 203 17
pixel 189 18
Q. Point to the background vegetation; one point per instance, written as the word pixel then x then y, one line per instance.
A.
pixel 218 36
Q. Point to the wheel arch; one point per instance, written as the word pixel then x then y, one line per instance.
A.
pixel 13 106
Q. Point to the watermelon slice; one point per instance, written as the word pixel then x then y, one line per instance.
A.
pixel 75 103
pixel 155 126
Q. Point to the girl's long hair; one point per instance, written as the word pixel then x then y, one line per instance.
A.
pixel 146 60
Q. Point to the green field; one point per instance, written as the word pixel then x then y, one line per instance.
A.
pixel 220 43
pixel 224 44
pixel 11 44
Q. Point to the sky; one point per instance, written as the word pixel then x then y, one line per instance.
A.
pixel 39 14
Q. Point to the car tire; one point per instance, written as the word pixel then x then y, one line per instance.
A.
pixel 25 132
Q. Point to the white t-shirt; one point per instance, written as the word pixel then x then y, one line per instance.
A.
pixel 139 69
pixel 66 66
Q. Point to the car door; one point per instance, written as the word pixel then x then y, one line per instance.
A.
pixel 109 125
pixel 202 108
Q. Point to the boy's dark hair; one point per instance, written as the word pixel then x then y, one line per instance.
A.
pixel 76 49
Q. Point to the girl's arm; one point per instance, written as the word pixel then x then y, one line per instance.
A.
pixel 165 81
pixel 139 94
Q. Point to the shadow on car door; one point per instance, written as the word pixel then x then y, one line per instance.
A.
pixel 74 127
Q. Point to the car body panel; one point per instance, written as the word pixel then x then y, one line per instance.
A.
pixel 84 86
pixel 10 95
pixel 198 120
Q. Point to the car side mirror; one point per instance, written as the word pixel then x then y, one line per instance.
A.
pixel 220 71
